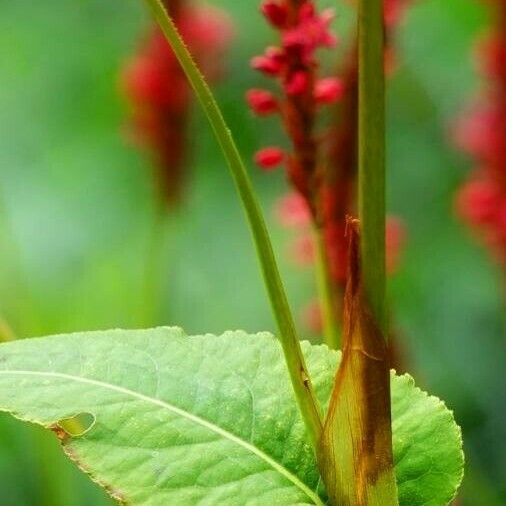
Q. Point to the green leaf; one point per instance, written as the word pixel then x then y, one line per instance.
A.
pixel 164 418
pixel 429 461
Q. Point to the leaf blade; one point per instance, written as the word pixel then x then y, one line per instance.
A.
pixel 182 413
pixel 411 409
pixel 235 381
pixel 132 355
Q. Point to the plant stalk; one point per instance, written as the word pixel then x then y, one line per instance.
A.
pixel 327 296
pixel 299 375
pixel 371 187
pixel 371 154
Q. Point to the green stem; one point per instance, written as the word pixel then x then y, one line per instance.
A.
pixel 371 154
pixel 299 374
pixel 328 300
pixel 371 183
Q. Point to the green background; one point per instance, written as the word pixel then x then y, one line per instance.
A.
pixel 77 207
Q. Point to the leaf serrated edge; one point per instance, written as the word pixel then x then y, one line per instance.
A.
pixel 455 427
pixel 113 493
pixel 290 476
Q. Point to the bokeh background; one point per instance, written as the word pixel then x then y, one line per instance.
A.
pixel 77 206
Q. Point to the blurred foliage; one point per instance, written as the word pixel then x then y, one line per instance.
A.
pixel 77 207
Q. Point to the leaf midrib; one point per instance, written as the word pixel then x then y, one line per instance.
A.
pixel 196 419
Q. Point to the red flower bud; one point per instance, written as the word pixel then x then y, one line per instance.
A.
pixel 297 83
pixel 275 13
pixel 261 102
pixel 329 90
pixel 271 62
pixel 269 158
pixel 478 201
pixel 310 33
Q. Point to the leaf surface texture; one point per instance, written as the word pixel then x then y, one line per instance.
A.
pixel 207 420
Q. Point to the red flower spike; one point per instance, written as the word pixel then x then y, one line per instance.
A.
pixel 269 158
pixel 306 12
pixel 481 202
pixel 261 102
pixel 276 13
pixel 311 32
pixel 159 94
pixel 328 90
pixel 302 29
pixel 324 191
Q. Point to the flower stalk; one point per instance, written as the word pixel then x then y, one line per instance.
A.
pixel 302 93
pixel 371 154
pixel 355 456
pixel 299 374
pixel 328 299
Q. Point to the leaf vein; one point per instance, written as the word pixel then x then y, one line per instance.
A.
pixel 181 412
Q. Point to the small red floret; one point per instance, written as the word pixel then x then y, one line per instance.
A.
pixel 297 83
pixel 276 13
pixel 269 158
pixel 329 90
pixel 261 102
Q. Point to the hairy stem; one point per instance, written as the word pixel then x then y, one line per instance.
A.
pixel 327 296
pixel 299 374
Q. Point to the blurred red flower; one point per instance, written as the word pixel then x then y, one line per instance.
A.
pixel 159 94
pixel 481 132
